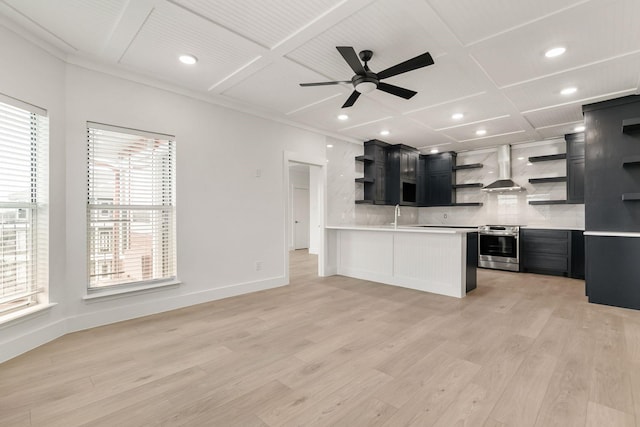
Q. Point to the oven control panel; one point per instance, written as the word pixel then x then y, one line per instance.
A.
pixel 508 230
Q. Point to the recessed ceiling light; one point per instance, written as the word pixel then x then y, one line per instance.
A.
pixel 329 145
pixel 384 132
pixel 568 90
pixel 481 132
pixel 188 59
pixel 343 117
pixel 529 164
pixel 520 158
pixel 556 51
pixel 457 116
pixel 434 151
pixel 580 128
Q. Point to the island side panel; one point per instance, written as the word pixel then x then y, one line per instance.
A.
pixel 331 252
pixel 431 262
pixel 365 255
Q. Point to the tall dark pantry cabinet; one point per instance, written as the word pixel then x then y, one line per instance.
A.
pixel 612 202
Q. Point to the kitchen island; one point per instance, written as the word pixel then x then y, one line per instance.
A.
pixel 430 259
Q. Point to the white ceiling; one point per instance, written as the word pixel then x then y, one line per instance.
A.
pixel 489 58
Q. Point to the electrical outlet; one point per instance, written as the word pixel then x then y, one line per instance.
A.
pixel 258 173
pixel 445 216
pixel 258 265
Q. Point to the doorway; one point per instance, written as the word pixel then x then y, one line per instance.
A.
pixel 305 180
pixel 300 219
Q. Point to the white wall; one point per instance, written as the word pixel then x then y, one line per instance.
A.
pixel 227 218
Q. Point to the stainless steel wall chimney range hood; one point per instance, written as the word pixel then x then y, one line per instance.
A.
pixel 504 182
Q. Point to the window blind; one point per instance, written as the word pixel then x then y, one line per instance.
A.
pixel 23 206
pixel 130 206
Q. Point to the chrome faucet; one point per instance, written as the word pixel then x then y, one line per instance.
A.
pixel 395 217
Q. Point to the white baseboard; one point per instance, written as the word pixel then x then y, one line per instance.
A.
pixel 118 314
pixel 35 338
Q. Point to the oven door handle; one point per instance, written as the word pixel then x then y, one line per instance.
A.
pixel 499 234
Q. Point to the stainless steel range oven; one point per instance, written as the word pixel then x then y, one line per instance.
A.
pixel 499 247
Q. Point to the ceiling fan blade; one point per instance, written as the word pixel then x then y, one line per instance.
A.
pixel 410 64
pixel 324 83
pixel 396 90
pixel 352 99
pixel 350 55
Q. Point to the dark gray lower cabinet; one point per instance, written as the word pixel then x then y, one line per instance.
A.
pixel 545 251
pixel 554 252
pixel 613 271
pixel 577 255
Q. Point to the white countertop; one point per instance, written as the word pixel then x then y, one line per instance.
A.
pixel 437 228
pixel 612 233
pixel 404 229
pixel 547 227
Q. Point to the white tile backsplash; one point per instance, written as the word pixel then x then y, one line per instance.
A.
pixel 498 208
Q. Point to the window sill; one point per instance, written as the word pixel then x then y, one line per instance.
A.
pixel 132 290
pixel 21 315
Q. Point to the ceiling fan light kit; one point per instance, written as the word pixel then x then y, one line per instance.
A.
pixel 366 81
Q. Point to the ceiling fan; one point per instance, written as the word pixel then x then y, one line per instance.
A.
pixel 365 80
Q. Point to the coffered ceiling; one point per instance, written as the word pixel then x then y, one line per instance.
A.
pixel 252 54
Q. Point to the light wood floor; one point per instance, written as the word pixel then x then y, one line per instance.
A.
pixel 521 350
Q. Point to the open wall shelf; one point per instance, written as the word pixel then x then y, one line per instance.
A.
pixel 473 185
pixel 548 158
pixel 630 126
pixel 469 166
pixel 364 158
pixel 550 179
pixel 468 204
pixel 628 197
pixel 631 161
pixel 365 179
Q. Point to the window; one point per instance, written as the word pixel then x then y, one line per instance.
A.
pixel 130 207
pixel 24 268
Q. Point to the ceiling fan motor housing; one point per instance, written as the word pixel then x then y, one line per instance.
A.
pixel 365 83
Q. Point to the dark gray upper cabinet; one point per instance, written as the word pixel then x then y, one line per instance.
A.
pixel 401 175
pixel 575 167
pixel 437 178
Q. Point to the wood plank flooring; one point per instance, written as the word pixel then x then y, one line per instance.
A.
pixel 521 350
